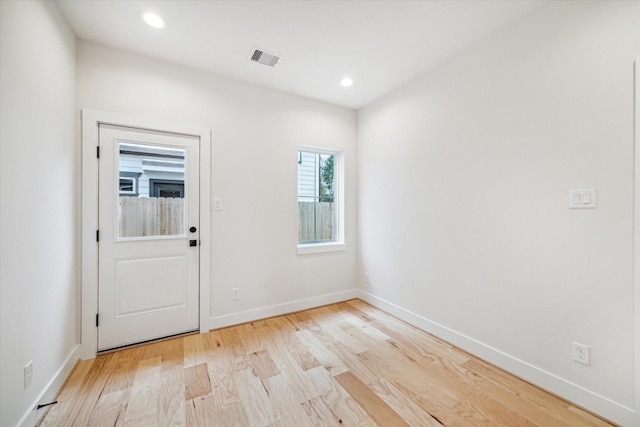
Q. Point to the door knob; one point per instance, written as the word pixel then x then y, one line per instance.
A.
pixel 193 229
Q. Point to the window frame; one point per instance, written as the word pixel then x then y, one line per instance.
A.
pixel 134 186
pixel 338 244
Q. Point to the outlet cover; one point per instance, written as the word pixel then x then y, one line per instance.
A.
pixel 235 293
pixel 581 353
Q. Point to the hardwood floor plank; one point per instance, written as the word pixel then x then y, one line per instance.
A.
pixel 69 394
pixel 321 380
pixel 143 406
pixel 250 336
pixel 197 411
pixel 326 357
pixel 230 416
pixel 173 354
pixel 367 336
pixel 368 423
pixel 324 324
pixel 342 405
pixel 528 400
pixel 349 307
pixel 588 419
pixel 125 365
pixel 351 320
pixel 195 350
pixel 373 405
pixel 232 339
pixel 110 408
pixel 263 364
pixel 222 367
pixel 197 381
pixel 276 338
pixel 320 414
pixel 91 389
pixel 286 330
pixel 172 388
pixel 347 364
pixel 361 370
pixel 287 407
pixel 403 405
pixel 254 397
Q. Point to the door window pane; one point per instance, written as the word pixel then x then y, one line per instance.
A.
pixel 151 190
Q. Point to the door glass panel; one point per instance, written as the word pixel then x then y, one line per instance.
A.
pixel 151 191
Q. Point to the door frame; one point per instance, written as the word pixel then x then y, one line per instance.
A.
pixel 636 232
pixel 91 120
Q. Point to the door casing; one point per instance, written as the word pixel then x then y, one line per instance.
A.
pixel 91 119
pixel 636 233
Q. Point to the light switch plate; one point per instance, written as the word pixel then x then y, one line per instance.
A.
pixel 584 198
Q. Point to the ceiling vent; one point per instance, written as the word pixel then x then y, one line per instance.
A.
pixel 264 58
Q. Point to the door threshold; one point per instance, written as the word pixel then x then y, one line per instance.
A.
pixel 140 344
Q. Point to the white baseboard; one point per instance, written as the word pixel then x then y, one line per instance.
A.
pixel 280 309
pixel 594 402
pixel 48 394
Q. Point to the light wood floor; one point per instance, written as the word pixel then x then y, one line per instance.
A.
pixel 347 364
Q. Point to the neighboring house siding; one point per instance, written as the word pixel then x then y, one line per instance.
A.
pixel 132 163
pixel 308 177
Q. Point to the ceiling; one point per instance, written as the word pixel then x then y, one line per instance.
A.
pixel 380 44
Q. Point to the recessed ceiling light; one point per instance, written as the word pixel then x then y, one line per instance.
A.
pixel 153 19
pixel 346 82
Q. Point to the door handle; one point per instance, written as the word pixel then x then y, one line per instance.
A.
pixel 193 229
pixel 193 243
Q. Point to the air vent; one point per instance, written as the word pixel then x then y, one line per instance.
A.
pixel 264 58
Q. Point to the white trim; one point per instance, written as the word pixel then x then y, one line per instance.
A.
pixel 89 250
pixel 315 248
pixel 206 239
pixel 50 391
pixel 607 408
pixel 319 149
pixel 636 239
pixel 280 309
pixel 134 185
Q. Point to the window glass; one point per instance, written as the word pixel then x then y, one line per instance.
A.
pixel 127 185
pixel 317 208
pixel 151 196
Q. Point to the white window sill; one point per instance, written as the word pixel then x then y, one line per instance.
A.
pixel 316 248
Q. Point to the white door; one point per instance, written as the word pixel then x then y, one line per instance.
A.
pixel 148 262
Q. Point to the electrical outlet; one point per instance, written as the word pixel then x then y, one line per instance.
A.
pixel 28 374
pixel 581 353
pixel 367 278
pixel 235 293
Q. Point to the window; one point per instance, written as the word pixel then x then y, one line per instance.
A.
pixel 320 214
pixel 127 185
pixel 166 188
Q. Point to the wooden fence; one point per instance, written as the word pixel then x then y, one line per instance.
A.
pixel 315 221
pixel 150 216
pixel 160 216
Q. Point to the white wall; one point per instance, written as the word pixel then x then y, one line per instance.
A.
pixel 38 198
pixel 255 135
pixel 464 224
